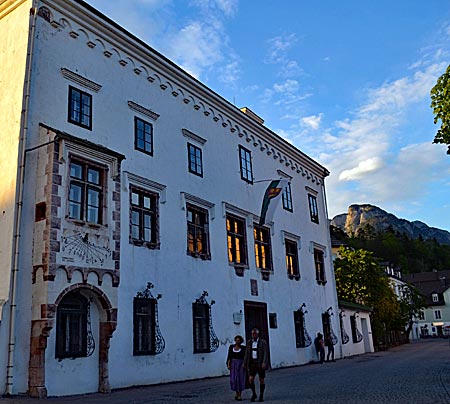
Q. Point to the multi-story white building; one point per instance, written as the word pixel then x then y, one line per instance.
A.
pixel 434 320
pixel 130 250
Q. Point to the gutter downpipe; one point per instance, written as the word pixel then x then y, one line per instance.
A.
pixel 19 201
pixel 332 265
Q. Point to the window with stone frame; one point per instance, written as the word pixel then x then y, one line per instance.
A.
pixel 195 160
pixel 197 232
pixel 201 334
pixel 144 217
pixel 80 108
pixel 286 197
pixel 292 259
pixel 245 158
pixel 144 326
pixel 86 191
pixel 299 327
pixel 313 211
pixel 143 136
pixel 319 265
pixel 263 253
pixel 236 240
pixel 72 327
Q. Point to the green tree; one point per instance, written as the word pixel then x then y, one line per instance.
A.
pixel 440 102
pixel 359 276
pixel 360 279
pixel 412 303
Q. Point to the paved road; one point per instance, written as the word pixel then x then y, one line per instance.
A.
pixel 414 374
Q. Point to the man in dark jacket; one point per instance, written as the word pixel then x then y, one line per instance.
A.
pixel 256 361
pixel 320 348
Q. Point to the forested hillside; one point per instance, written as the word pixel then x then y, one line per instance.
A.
pixel 411 255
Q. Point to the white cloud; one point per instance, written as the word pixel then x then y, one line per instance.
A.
pixel 278 53
pixel 395 95
pixel 361 169
pixel 289 86
pixel 227 7
pixel 278 47
pixel 196 47
pixel 200 45
pixel 312 121
pixel 362 153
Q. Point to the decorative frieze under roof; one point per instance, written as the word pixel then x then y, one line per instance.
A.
pixel 83 22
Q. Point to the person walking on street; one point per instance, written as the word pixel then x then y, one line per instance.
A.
pixel 320 348
pixel 330 346
pixel 235 363
pixel 256 361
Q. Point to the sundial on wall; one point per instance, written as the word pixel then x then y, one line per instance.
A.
pixel 89 248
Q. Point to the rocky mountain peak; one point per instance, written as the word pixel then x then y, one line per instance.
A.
pixel 359 216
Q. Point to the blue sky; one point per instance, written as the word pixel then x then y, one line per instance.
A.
pixel 346 82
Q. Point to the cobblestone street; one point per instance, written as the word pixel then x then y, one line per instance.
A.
pixel 413 374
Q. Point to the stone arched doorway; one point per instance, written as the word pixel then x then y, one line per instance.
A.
pixel 68 318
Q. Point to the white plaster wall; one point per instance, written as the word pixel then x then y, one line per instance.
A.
pixel 13 49
pixel 73 376
pixel 358 348
pixel 178 277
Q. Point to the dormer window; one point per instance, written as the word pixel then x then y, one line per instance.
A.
pixel 435 297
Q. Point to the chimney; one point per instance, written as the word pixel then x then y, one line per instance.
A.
pixel 251 114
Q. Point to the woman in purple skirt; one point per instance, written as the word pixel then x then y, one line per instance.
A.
pixel 235 361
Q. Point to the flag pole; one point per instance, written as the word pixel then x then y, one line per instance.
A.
pixel 256 182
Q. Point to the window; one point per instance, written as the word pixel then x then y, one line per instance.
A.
pixel 237 251
pixel 195 160
pixel 292 259
pixel 144 217
pixel 421 315
pixel 39 212
pixel 354 329
pixel 287 198
pixel 80 108
pixel 435 298
pixel 262 247
pixel 71 330
pixel 86 192
pixel 273 323
pixel 245 157
pixel 144 330
pixel 437 315
pixel 200 313
pixel 299 325
pixel 143 136
pixel 320 266
pixel 314 213
pixel 197 232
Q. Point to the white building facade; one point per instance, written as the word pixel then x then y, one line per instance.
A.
pixel 434 320
pixel 130 249
pixel 356 329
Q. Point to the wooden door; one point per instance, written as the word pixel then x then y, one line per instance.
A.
pixel 255 314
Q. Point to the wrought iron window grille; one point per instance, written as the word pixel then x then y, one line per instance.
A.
pixel 356 335
pixel 302 341
pixel 202 325
pixel 158 344
pixel 334 338
pixel 344 336
pixel 90 343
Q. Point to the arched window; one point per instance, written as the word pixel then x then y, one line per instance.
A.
pixel 72 327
